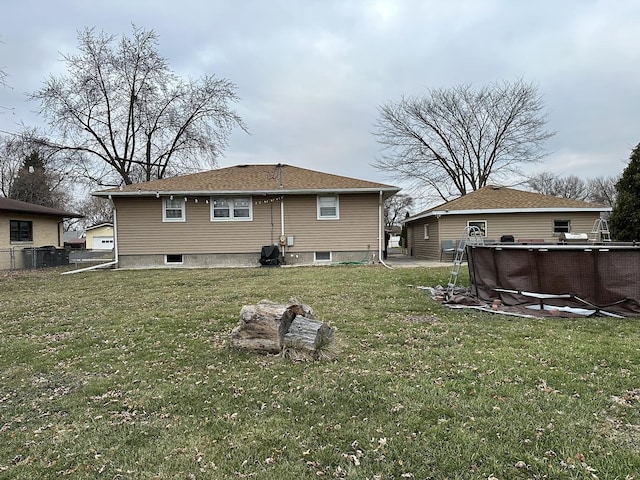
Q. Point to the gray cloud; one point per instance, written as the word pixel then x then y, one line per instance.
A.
pixel 312 73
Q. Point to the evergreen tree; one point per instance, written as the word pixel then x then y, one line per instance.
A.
pixel 624 222
pixel 33 184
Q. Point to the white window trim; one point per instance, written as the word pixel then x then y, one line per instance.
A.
pixel 325 217
pixel 182 208
pixel 315 256
pixel 482 230
pixel 230 218
pixel 167 262
pixel 426 231
pixel 556 233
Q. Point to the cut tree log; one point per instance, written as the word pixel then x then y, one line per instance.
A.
pixel 308 335
pixel 262 326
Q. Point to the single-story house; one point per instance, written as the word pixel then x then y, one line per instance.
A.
pixel 499 212
pixel 26 225
pixel 224 217
pixel 99 236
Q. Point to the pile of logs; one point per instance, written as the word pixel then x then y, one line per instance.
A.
pixel 269 327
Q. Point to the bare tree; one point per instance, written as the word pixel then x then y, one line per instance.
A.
pixel 96 210
pixel 10 162
pixel 601 190
pixel 3 74
pixel 456 140
pixel 395 209
pixel 130 116
pixel 548 183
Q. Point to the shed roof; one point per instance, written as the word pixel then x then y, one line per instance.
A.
pixel 267 178
pixel 17 206
pixel 495 199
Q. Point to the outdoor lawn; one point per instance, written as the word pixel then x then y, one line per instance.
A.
pixel 129 375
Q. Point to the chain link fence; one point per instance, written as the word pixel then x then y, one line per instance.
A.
pixel 18 258
pixel 8 258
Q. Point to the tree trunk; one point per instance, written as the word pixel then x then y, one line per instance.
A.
pixel 263 326
pixel 307 334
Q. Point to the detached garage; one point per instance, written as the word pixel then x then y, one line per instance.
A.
pixel 100 237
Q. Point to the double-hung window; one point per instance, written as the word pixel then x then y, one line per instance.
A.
pixel 173 210
pixel 20 231
pixel 480 225
pixel 231 208
pixel 328 207
pixel 561 226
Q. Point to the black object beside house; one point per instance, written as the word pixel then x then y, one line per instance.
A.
pixel 270 256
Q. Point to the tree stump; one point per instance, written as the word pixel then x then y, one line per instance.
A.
pixel 307 334
pixel 269 327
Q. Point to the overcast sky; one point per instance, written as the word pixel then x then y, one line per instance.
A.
pixel 311 74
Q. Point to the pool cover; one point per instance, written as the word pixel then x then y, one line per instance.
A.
pixel 600 277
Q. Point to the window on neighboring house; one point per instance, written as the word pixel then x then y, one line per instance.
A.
pixel 173 210
pixel 20 231
pixel 230 208
pixel 322 256
pixel 426 231
pixel 561 226
pixel 481 224
pixel 328 208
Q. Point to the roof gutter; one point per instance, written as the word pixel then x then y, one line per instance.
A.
pixel 200 193
pixel 441 213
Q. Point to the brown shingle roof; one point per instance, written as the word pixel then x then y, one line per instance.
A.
pixel 503 198
pixel 250 178
pixel 11 205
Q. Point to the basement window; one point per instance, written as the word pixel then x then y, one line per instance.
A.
pixel 322 256
pixel 173 259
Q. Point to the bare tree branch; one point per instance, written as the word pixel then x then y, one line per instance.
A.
pixel 456 140
pixel 120 106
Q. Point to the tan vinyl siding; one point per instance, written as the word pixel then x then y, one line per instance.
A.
pixel 521 225
pixel 140 228
pixel 421 247
pixel 355 230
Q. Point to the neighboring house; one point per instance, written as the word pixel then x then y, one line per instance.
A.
pixel 99 236
pixel 26 225
pixel 500 211
pixel 224 217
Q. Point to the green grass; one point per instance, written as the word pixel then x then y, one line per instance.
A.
pixel 129 375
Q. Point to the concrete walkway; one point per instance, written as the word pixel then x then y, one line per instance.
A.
pixel 398 260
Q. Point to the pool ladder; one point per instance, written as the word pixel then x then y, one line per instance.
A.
pixel 472 235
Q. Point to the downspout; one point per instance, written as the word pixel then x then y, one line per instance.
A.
pixel 115 232
pixel 282 234
pixel 381 235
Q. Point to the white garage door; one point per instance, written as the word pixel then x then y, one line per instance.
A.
pixel 102 243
